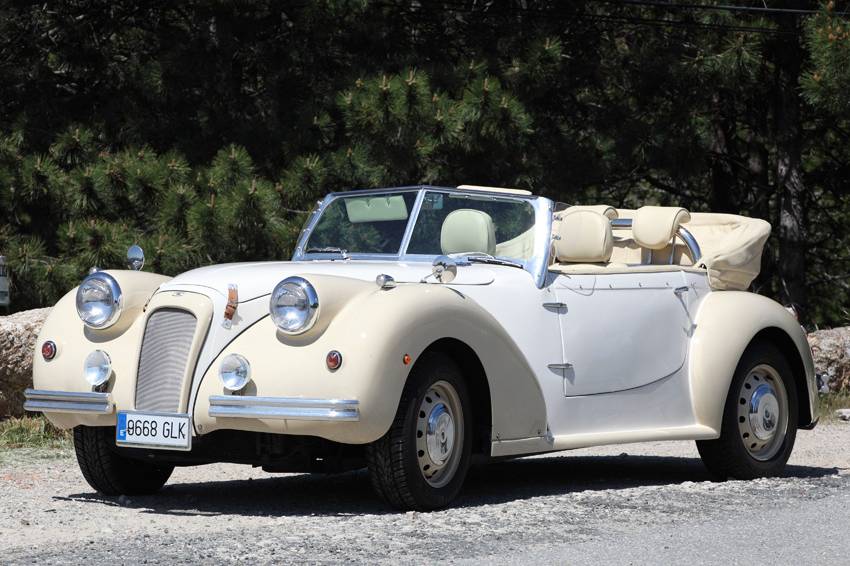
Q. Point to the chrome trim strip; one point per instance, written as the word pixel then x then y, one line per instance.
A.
pixel 67 402
pixel 290 408
pixel 538 264
pixel 411 223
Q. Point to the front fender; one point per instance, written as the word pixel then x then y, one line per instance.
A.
pixel 726 323
pixel 373 331
pixel 74 341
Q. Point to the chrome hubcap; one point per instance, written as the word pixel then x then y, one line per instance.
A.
pixel 763 412
pixel 764 408
pixel 439 434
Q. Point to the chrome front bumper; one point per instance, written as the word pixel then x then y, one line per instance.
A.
pixel 290 408
pixel 67 402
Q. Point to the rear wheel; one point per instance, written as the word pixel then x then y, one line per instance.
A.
pixel 759 419
pixel 110 473
pixel 421 462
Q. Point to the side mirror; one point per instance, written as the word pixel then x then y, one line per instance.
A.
pixel 135 258
pixel 444 269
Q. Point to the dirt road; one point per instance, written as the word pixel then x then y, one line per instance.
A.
pixel 646 503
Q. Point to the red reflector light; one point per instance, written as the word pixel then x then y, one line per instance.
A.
pixel 406 359
pixel 334 360
pixel 48 350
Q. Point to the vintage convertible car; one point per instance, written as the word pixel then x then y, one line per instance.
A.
pixel 418 329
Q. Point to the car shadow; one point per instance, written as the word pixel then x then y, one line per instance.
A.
pixel 350 493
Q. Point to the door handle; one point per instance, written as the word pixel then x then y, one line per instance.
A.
pixel 681 290
pixel 561 366
pixel 557 306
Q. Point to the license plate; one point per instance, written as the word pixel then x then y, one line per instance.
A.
pixel 154 430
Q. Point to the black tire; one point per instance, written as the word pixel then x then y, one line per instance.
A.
pixel 110 473
pixel 394 466
pixel 728 457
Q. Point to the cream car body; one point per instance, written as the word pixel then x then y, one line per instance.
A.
pixel 557 354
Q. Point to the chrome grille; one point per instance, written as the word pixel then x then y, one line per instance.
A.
pixel 162 364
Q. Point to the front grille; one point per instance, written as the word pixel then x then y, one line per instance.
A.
pixel 162 364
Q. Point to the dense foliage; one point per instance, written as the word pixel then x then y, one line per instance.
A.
pixel 205 130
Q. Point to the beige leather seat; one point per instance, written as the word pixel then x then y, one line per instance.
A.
pixel 654 227
pixel 583 236
pixel 466 230
pixel 608 212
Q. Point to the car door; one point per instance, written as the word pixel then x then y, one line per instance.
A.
pixel 621 331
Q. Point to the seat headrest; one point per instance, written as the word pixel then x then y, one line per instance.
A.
pixel 583 236
pixel 608 212
pixel 654 226
pixel 468 230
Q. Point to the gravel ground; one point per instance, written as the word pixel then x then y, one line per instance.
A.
pixel 642 503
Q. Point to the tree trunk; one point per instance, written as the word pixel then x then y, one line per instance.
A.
pixel 724 181
pixel 789 175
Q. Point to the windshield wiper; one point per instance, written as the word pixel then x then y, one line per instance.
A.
pixel 479 257
pixel 328 250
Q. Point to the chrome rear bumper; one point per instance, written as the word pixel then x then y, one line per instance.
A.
pixel 67 402
pixel 290 408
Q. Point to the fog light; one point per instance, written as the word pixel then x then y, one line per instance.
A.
pixel 235 372
pixel 97 368
pixel 334 360
pixel 48 350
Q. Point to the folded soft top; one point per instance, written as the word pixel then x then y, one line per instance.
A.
pixel 731 246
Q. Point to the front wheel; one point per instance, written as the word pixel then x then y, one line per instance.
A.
pixel 421 462
pixel 110 473
pixel 759 420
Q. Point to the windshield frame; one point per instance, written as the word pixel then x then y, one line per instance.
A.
pixel 536 265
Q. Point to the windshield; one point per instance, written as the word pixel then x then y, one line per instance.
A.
pixel 447 223
pixel 452 223
pixel 369 224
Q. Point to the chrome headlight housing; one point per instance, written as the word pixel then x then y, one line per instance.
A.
pixel 99 300
pixel 97 368
pixel 234 372
pixel 294 305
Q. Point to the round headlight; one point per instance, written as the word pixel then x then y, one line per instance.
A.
pixel 97 368
pixel 99 300
pixel 294 305
pixel 235 372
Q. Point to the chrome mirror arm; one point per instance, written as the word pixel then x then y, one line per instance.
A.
pixel 444 269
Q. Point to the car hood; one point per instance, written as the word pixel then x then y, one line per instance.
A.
pixel 259 279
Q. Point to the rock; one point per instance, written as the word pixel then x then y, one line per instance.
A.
pixel 843 414
pixel 831 349
pixel 18 333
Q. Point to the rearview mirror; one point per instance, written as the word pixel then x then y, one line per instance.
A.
pixel 135 258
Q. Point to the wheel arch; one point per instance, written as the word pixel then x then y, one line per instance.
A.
pixel 726 324
pixel 786 346
pixel 479 388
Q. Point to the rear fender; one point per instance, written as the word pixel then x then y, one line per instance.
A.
pixel 727 322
